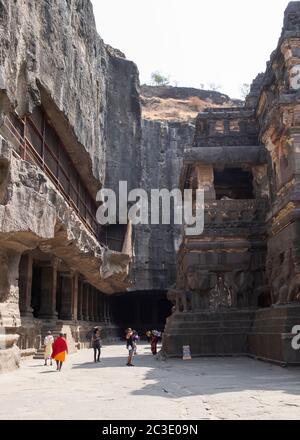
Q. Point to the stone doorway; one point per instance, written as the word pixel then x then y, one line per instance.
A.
pixel 141 310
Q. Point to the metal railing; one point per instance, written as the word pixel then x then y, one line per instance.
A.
pixel 18 128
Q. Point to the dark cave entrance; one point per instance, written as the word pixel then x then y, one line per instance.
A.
pixel 233 183
pixel 142 311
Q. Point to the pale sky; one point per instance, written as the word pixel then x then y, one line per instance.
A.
pixel 194 42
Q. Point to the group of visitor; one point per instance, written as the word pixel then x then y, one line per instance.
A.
pixel 57 348
pixel 153 337
pixel 132 338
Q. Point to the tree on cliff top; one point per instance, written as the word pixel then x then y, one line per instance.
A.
pixel 245 90
pixel 158 79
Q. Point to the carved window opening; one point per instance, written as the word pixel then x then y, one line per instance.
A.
pixel 219 127
pixel 233 183
pixel 234 125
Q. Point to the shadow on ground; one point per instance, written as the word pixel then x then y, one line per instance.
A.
pixel 175 378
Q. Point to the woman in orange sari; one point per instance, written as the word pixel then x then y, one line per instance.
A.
pixel 59 350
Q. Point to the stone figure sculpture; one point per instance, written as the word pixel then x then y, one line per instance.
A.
pixel 199 283
pixel 220 295
pixel 179 298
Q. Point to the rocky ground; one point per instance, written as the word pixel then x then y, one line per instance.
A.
pixel 179 104
pixel 210 388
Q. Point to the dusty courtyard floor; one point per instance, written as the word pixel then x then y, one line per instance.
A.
pixel 210 388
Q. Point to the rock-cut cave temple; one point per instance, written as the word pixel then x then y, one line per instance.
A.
pixel 73 119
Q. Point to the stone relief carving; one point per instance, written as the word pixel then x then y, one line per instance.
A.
pixel 284 282
pixel 199 282
pixel 220 295
pixel 4 282
pixel 180 299
pixel 207 290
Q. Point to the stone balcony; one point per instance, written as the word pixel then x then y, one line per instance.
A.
pixel 234 213
pixel 230 217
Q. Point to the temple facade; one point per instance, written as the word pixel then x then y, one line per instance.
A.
pixel 71 123
pixel 237 289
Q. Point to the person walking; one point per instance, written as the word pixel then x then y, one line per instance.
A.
pixel 154 341
pixel 96 344
pixel 130 346
pixel 60 348
pixel 48 342
pixel 135 340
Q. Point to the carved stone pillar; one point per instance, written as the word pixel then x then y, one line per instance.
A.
pixel 9 289
pixel 67 292
pixel 25 285
pixel 205 181
pixel 94 311
pixel 97 314
pixel 85 301
pixel 80 300
pixel 75 296
pixel 9 309
pixel 100 307
pixel 106 310
pixel 48 290
pixel 91 305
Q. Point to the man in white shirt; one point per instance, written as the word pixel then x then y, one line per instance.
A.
pixel 48 341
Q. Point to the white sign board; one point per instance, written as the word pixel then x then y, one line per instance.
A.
pixel 186 349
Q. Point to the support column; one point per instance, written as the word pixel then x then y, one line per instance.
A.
pixel 9 309
pixel 80 300
pixel 97 306
pixel 48 290
pixel 100 312
pixel 25 285
pixel 94 304
pixel 109 310
pixel 75 296
pixel 85 301
pixel 106 310
pixel 91 305
pixel 205 181
pixel 67 286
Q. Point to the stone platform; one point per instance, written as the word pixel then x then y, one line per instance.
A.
pixel 265 334
pixel 208 334
pixel 271 335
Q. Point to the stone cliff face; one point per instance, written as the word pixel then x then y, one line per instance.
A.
pixel 68 105
pixel 123 124
pixel 169 92
pixel 155 163
pixel 52 55
pixel 155 246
